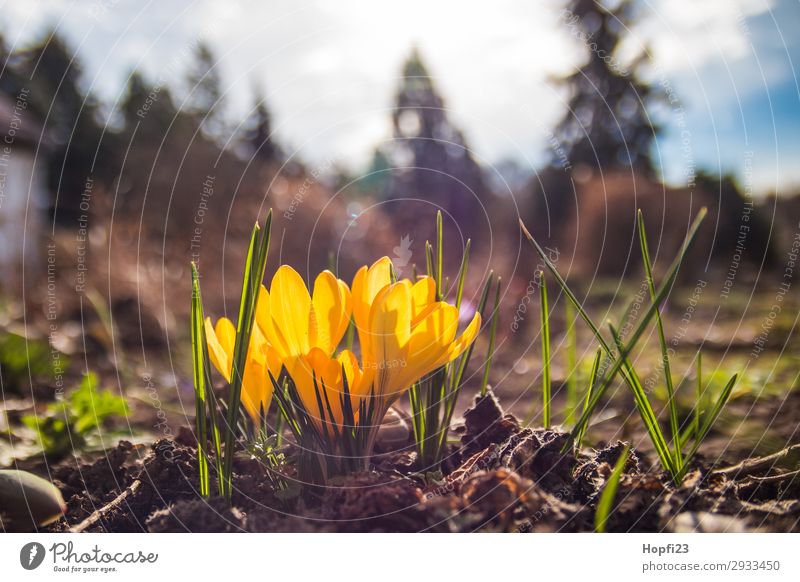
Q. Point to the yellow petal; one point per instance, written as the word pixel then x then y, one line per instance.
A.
pixel 290 308
pixel 430 341
pixel 347 301
pixel 423 295
pixel 366 285
pixel 226 334
pixel 352 371
pixel 387 336
pixel 318 372
pixel 258 346
pixel 263 318
pixel 459 346
pixel 256 389
pixel 267 326
pixel 221 359
pixel 329 314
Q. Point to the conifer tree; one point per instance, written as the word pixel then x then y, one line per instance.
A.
pixel 429 155
pixel 606 124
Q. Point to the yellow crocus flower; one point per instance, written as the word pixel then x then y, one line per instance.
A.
pixel 306 328
pixel 295 321
pixel 261 359
pixel 404 335
pixel 330 374
pixel 366 285
pixel 409 335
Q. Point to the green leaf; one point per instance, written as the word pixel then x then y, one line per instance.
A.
pixel 255 266
pixel 545 332
pixel 673 410
pixel 663 291
pixel 646 412
pixel 492 335
pixel 572 364
pixel 708 423
pixel 592 380
pixel 606 502
pixel 200 368
pixel 89 407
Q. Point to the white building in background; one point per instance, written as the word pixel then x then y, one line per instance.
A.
pixel 23 196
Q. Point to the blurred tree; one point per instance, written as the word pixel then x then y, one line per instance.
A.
pixel 377 178
pixel 258 131
pixel 164 153
pixel 204 87
pixel 741 227
pixel 429 155
pixel 10 81
pixel 150 110
pixel 606 124
pixel 80 145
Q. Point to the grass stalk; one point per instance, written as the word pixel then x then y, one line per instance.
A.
pixel 617 359
pixel 673 409
pixel 433 398
pixel 255 264
pixel 201 384
pixel 606 502
pixel 646 411
pixel 545 332
pixel 698 405
pixel 572 364
pixel 592 380
pixel 492 335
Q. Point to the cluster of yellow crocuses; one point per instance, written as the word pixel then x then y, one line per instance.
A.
pixel 404 334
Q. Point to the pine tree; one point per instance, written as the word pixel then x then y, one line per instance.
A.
pixel 606 125
pixel 78 145
pixel 258 131
pixel 150 110
pixel 204 85
pixel 429 155
pixel 10 81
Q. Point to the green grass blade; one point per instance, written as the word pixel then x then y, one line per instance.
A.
pixel 199 367
pixel 460 367
pixel 566 290
pixel 462 274
pixel 671 405
pixel 661 295
pixel 439 256
pixel 429 259
pixel 253 276
pixel 545 329
pixel 646 412
pixel 492 334
pixel 709 421
pixel 663 290
pixel 698 405
pixel 572 364
pixel 592 380
pixel 606 502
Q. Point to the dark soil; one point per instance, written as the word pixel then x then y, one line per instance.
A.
pixel 501 478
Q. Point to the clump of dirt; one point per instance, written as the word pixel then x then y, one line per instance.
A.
pixel 502 477
pixel 197 515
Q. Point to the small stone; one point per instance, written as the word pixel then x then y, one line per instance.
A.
pixel 704 522
pixel 394 433
pixel 28 501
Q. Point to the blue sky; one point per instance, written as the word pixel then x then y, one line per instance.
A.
pixel 329 69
